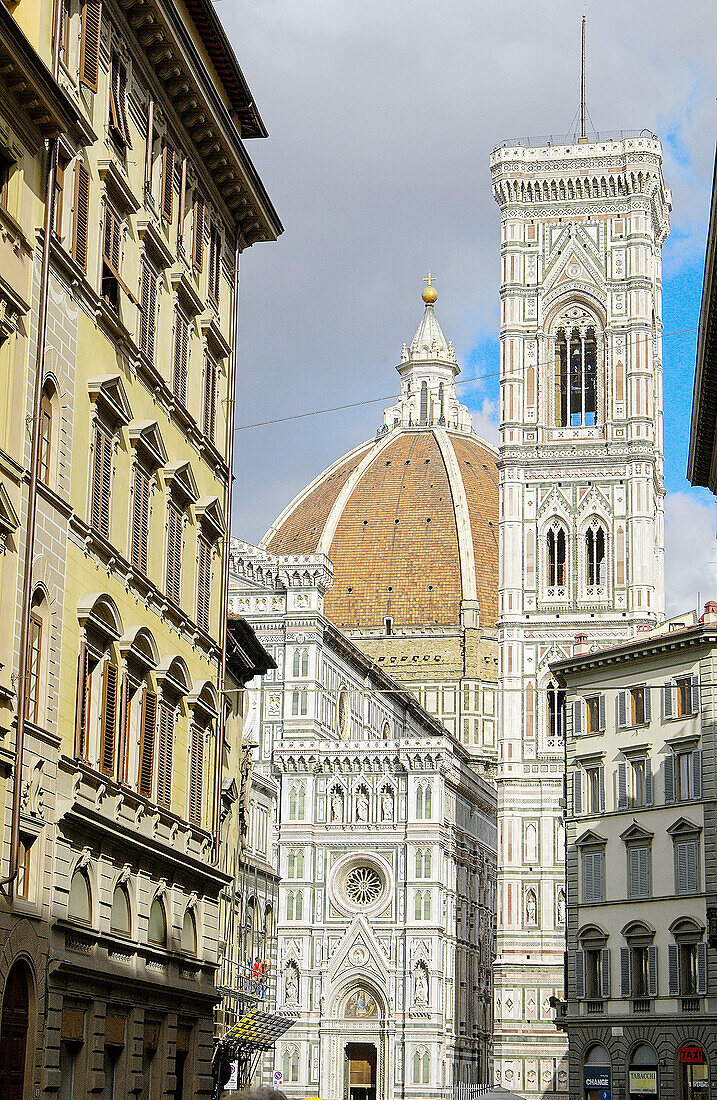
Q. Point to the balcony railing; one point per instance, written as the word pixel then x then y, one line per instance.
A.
pixel 595 1008
pixel 690 1004
pixel 644 1004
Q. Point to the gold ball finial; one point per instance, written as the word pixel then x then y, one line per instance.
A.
pixel 429 294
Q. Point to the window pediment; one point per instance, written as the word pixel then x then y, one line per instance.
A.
pixel 179 478
pixel 683 828
pixel 9 519
pixel 117 186
pixel 216 342
pixel 636 833
pixel 156 248
pixel 209 513
pixel 99 611
pixel 590 839
pixel 108 393
pixel 146 437
pixel 182 285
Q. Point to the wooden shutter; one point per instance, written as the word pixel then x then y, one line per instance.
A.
pixel 83 702
pixel 648 781
pixel 605 973
pixel 667 700
pixel 174 552
pixel 112 240
pixel 148 310
pixel 90 43
pixel 577 717
pixel 638 871
pixel 167 197
pixel 601 713
pixel 696 776
pixel 196 775
pixel 652 971
pixel 164 755
pixel 215 263
pixel 589 876
pixel 101 481
pixel 673 969
pixel 647 697
pixel 622 786
pixel 146 743
pixel 32 676
pixel 577 791
pixel 625 972
pixel 695 695
pixel 108 723
pixel 621 709
pixel 148 149
pixel 140 519
pixel 701 949
pixel 580 975
pixel 82 215
pixel 686 867
pixel 210 397
pixel 181 347
pixel 198 232
pixel 601 788
pixel 124 730
pixel 669 777
pixel 204 582
pixel 118 99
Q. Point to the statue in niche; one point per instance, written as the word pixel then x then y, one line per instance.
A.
pixel 386 805
pixel 561 907
pixel 291 984
pixel 361 805
pixel 420 985
pixel 337 806
pixel 531 908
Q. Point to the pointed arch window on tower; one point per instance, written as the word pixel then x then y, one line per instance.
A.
pixel 424 403
pixel 595 556
pixel 576 377
pixel 556 557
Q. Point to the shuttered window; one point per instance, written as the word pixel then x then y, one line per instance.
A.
pixel 82 215
pixel 167 196
pixel 119 127
pixel 638 871
pixel 91 19
pixel 687 969
pixel 140 518
pixel 196 775
pixel 593 876
pixel 174 552
pixel 84 690
pixel 686 867
pixel 198 232
pixel 34 657
pixel 101 481
pixel 108 721
pixel 125 717
pixel 148 310
pixel 146 743
pixel 181 348
pixel 204 582
pixel 215 264
pixel 111 252
pixel 164 755
pixel 43 455
pixel 210 397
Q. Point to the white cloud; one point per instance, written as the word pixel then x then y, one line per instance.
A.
pixel 690 551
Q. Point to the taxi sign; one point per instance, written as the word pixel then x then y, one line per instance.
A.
pixel 692 1056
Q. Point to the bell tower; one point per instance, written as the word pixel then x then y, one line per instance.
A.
pixel 581 515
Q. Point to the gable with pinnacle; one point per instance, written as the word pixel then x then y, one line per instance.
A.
pixel 360 951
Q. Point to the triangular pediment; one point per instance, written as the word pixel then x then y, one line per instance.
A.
pixel 593 500
pixel 573 263
pixel 555 501
pixel 358 950
pixel 107 391
pixel 684 827
pixel 180 479
pixel 590 837
pixel 209 512
pixel 636 832
pixel 9 520
pixel 146 437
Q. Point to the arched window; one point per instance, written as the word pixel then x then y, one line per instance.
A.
pixel 421 1067
pixel 441 399
pixel 157 930
pixel 423 863
pixel 424 403
pixel 576 355
pixel 297 800
pixel 342 712
pixel 595 556
pixel 557 546
pixel 36 640
pixel 427 801
pixel 304 662
pixel 188 942
pixel 44 455
pixel 556 712
pixel 296 663
pixel 385 731
pixel 294 905
pixel 120 915
pixel 268 924
pixel 418 905
pixel 419 802
pixel 290 1065
pixel 79 906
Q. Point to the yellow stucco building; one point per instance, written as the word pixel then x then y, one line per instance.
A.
pixel 110 925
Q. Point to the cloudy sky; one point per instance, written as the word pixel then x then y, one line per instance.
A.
pixel 382 117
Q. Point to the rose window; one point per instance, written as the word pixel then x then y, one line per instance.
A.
pixel 363 885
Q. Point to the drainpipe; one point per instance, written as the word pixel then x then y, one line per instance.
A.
pixel 32 492
pixel 223 604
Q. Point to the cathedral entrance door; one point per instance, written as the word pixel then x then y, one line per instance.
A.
pixel 360 1071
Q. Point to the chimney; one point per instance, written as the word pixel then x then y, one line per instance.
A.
pixel 580 645
pixel 710 616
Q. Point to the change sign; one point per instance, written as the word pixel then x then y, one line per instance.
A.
pixel 596 1077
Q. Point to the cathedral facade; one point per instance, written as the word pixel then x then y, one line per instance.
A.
pixel 581 534
pixel 384 839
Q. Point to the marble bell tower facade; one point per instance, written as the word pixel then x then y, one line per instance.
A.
pixel 581 517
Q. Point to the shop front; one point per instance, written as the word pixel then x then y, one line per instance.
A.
pixel 597 1074
pixel 642 1074
pixel 694 1072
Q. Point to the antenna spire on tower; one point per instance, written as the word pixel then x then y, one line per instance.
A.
pixel 583 134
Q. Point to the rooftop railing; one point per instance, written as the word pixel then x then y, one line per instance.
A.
pixel 573 139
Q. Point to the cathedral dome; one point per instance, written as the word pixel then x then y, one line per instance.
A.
pixel 410 518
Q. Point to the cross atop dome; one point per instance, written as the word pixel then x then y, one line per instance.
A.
pixel 428 371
